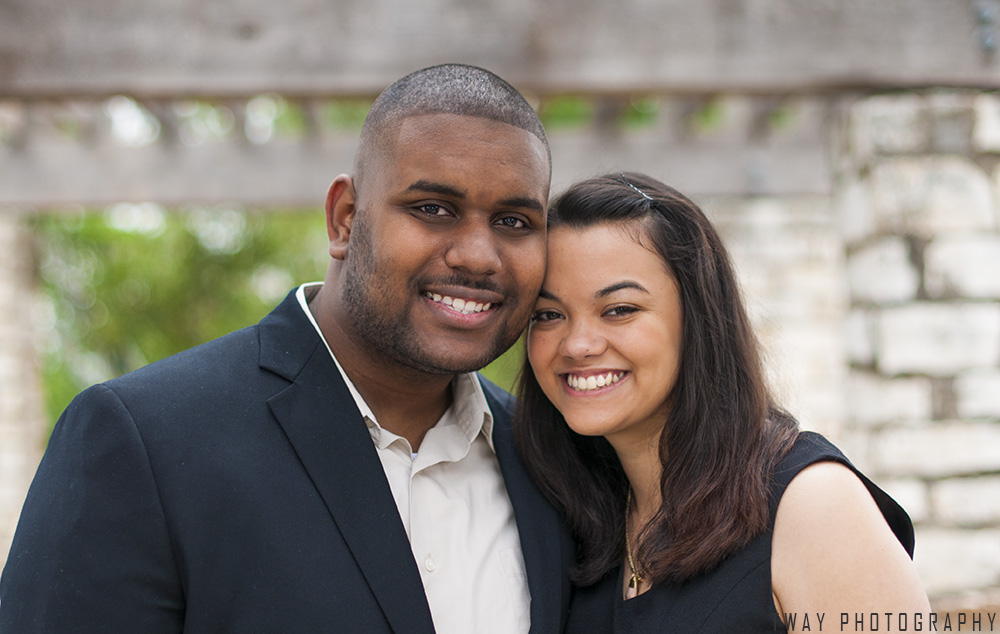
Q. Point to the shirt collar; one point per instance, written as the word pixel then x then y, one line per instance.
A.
pixel 469 408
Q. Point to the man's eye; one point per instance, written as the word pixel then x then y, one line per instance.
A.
pixel 432 209
pixel 513 222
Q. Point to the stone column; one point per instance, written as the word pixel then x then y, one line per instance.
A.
pixel 22 426
pixel 922 224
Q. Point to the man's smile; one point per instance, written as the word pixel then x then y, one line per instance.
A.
pixel 458 304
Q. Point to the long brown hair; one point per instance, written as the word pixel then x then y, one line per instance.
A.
pixel 723 435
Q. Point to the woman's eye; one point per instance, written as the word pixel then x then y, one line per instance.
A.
pixel 621 311
pixel 545 315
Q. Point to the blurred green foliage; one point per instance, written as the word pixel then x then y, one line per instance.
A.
pixel 640 113
pixel 566 112
pixel 123 287
pixel 709 117
pixel 506 369
pixel 576 111
pixel 346 114
pixel 126 286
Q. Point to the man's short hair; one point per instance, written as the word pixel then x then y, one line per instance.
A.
pixel 446 89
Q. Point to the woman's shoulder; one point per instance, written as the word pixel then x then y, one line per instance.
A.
pixel 824 494
pixel 836 543
pixel 822 480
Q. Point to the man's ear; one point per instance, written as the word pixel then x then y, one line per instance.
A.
pixel 340 210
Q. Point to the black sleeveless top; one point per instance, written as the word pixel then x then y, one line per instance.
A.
pixel 735 596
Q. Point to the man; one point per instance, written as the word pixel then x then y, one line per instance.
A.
pixel 335 468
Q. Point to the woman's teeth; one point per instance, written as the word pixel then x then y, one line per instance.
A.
pixel 466 307
pixel 584 383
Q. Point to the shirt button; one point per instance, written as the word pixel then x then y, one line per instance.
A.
pixel 429 564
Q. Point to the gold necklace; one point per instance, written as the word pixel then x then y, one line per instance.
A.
pixel 635 580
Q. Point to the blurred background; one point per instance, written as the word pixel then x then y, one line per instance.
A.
pixel 163 167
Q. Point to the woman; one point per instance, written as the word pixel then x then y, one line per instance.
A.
pixel 697 504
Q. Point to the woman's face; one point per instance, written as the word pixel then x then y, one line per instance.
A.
pixel 605 337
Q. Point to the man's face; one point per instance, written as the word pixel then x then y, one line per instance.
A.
pixel 447 247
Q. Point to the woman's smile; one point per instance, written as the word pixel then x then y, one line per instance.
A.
pixel 590 382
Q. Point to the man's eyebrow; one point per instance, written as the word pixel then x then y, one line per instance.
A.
pixel 521 202
pixel 435 188
pixel 524 202
pixel 607 290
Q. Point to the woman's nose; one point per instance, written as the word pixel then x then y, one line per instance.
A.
pixel 583 341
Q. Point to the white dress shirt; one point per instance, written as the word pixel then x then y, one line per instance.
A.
pixel 454 507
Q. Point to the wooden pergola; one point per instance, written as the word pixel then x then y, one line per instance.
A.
pixel 58 57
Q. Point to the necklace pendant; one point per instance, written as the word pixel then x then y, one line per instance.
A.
pixel 633 587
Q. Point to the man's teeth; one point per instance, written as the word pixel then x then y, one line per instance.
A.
pixel 466 307
pixel 584 383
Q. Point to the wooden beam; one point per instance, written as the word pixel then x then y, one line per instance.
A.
pixel 293 175
pixel 72 153
pixel 157 48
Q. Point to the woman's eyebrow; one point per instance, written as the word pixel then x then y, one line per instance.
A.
pixel 607 290
pixel 604 292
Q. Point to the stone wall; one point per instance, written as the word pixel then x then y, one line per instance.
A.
pixel 789 256
pixel 918 203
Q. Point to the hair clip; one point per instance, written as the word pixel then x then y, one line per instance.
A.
pixel 639 191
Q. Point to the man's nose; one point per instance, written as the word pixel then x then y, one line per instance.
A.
pixel 475 249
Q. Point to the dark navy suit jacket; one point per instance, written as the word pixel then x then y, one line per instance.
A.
pixel 235 488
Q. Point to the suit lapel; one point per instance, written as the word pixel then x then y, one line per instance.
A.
pixel 545 544
pixel 326 430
